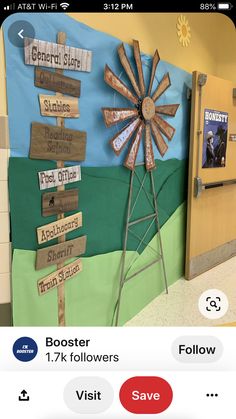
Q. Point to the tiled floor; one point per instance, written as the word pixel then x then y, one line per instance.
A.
pixel 180 306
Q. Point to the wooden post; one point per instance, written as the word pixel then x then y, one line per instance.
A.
pixel 74 150
pixel 61 39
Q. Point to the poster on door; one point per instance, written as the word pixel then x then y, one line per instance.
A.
pixel 214 139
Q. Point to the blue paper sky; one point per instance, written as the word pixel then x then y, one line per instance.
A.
pixel 23 103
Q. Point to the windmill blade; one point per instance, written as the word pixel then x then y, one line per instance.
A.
pixel 167 109
pixel 164 84
pixel 138 61
pixel 149 156
pixel 122 137
pixel 114 81
pixel 113 116
pixel 133 151
pixel 164 127
pixel 155 62
pixel 159 140
pixel 129 71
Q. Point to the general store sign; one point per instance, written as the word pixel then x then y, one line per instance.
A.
pixel 49 54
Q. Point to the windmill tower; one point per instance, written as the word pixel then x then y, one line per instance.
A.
pixel 145 121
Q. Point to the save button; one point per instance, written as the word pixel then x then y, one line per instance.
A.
pixel 143 395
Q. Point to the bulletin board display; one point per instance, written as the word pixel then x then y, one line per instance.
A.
pixel 100 182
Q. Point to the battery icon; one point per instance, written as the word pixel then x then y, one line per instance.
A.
pixel 224 6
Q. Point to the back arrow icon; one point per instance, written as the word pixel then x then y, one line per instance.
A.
pixel 20 34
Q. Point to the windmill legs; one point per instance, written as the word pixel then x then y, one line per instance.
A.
pixel 122 274
pixel 129 223
pixel 159 230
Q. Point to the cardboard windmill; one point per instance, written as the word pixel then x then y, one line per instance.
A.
pixel 60 144
pixel 145 116
pixel 145 120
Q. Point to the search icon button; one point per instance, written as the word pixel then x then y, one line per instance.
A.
pixel 213 304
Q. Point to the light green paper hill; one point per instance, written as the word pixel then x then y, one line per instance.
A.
pixel 91 295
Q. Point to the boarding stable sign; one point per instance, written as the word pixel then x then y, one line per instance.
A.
pixel 54 203
pixel 49 54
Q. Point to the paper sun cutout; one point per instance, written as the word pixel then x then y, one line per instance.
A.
pixel 183 30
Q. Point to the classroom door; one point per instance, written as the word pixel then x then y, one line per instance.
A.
pixel 211 208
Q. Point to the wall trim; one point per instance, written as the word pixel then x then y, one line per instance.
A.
pixel 201 263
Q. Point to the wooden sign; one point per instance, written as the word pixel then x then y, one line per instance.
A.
pixel 59 202
pixel 59 177
pixel 56 82
pixel 49 54
pixel 60 252
pixel 59 228
pixel 64 106
pixel 56 143
pixel 59 277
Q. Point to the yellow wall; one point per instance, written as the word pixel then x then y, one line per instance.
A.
pixel 211 49
pixel 226 58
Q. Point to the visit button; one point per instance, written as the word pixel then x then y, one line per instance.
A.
pixel 143 395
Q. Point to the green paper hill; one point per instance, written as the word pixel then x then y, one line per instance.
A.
pixel 103 195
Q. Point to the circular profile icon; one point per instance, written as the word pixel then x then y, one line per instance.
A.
pixel 25 349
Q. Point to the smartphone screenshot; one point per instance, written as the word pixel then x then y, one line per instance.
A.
pixel 117 210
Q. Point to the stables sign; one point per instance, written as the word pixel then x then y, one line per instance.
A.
pixel 64 106
pixel 59 177
pixel 49 54
pixel 56 143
